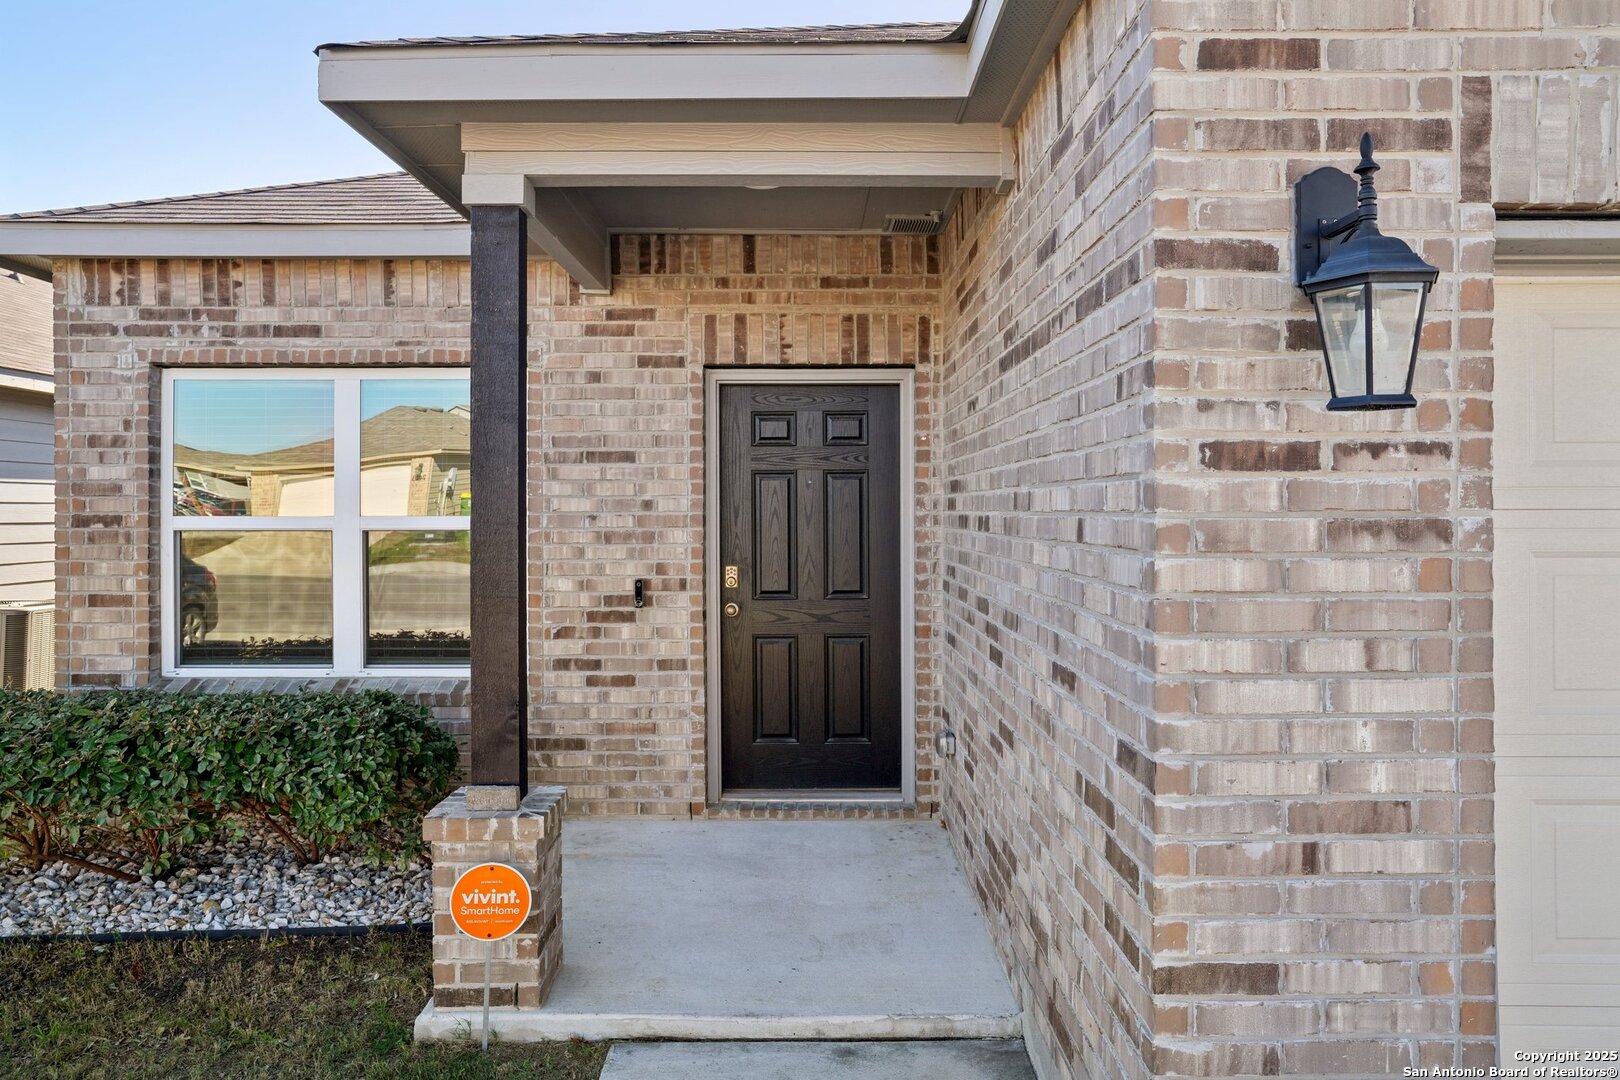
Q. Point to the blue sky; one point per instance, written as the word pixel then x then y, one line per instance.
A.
pixel 238 417
pixel 110 100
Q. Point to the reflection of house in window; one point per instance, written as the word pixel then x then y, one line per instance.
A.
pixel 294 480
pixel 414 460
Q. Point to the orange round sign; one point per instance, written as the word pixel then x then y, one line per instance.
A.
pixel 490 901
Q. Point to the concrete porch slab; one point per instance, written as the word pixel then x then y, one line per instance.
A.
pixel 762 930
pixel 961 1059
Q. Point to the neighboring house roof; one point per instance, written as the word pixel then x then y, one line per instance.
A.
pixel 862 33
pixel 405 431
pixel 25 331
pixel 385 198
pixel 414 431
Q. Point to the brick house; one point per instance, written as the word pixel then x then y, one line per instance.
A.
pixel 1247 776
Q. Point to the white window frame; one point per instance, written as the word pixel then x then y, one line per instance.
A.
pixel 347 526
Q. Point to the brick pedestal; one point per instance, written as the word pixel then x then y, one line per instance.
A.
pixel 529 839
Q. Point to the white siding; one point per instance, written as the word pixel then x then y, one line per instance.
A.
pixel 27 545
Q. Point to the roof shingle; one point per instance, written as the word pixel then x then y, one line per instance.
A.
pixel 865 34
pixel 382 199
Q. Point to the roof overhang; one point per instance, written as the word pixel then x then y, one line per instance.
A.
pixel 30 244
pixel 34 266
pixel 745 136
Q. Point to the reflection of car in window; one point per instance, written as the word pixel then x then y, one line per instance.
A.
pixel 195 502
pixel 199 601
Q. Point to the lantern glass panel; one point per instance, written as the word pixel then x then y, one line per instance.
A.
pixel 1396 306
pixel 1342 314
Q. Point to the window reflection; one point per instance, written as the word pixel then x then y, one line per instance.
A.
pixel 417 588
pixel 252 447
pixel 415 448
pixel 255 597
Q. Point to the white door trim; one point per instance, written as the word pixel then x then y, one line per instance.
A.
pixel 903 377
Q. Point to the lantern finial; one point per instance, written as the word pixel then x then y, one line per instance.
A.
pixel 1367 197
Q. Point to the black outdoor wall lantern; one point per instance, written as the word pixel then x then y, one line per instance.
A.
pixel 1368 289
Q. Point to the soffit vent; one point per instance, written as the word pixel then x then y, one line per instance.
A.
pixel 913 224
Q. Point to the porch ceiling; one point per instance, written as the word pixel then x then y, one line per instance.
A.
pixel 775 130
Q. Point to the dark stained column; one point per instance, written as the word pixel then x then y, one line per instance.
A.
pixel 500 715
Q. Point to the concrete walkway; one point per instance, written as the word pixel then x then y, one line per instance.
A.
pixel 762 930
pixel 962 1059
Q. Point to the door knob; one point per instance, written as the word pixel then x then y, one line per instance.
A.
pixel 731 611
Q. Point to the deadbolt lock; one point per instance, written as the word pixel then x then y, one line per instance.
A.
pixel 731 611
pixel 731 577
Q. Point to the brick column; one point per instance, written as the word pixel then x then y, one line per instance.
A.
pixel 529 839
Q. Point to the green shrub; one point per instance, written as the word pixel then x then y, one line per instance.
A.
pixel 116 779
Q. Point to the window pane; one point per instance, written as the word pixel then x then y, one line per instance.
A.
pixel 1395 316
pixel 255 598
pixel 1344 333
pixel 417 588
pixel 259 447
pixel 415 450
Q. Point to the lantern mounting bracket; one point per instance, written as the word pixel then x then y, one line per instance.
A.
pixel 1328 205
pixel 1324 214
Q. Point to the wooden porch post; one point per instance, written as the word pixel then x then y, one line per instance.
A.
pixel 500 722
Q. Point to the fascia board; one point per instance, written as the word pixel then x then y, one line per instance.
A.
pixel 536 73
pixel 63 239
pixel 28 384
pixel 1588 246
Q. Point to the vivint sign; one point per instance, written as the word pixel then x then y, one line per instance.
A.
pixel 490 901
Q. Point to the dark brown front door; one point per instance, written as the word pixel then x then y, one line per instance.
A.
pixel 810 522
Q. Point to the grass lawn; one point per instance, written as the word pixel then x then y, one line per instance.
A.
pixel 291 1007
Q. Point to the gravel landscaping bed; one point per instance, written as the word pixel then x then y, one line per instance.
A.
pixel 252 883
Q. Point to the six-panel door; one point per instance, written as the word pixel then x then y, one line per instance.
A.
pixel 810 587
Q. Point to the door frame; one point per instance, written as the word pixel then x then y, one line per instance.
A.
pixel 906 379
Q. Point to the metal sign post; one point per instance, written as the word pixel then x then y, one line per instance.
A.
pixel 489 954
pixel 490 902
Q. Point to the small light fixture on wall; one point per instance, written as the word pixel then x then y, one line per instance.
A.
pixel 1369 290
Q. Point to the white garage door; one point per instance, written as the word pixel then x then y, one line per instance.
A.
pixel 1557 491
